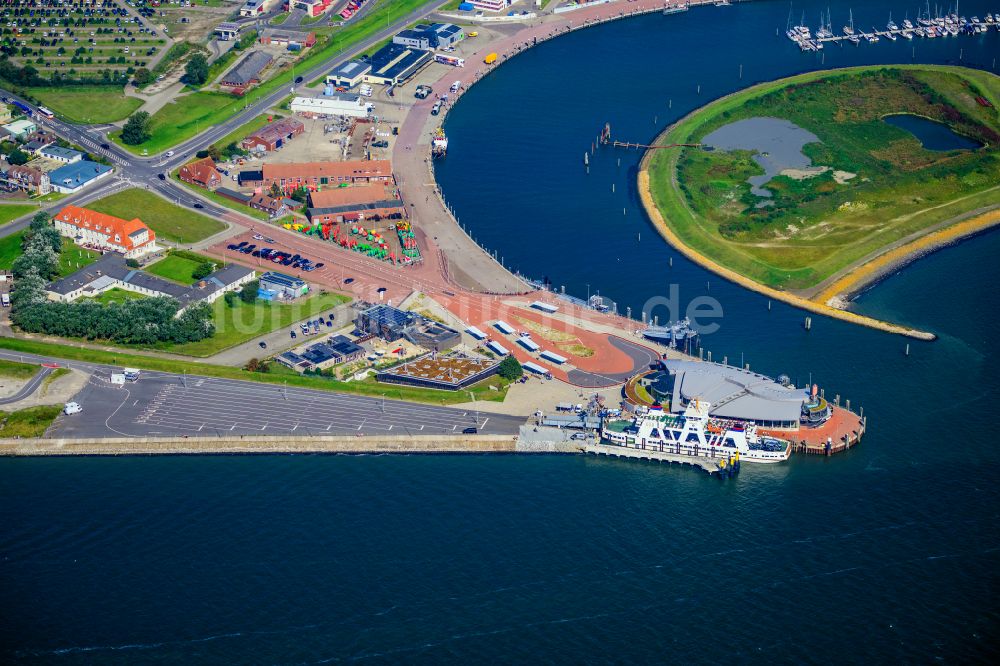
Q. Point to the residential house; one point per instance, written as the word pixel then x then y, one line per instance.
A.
pixel 27 178
pixel 201 173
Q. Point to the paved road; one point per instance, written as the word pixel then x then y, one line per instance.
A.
pixel 28 388
pixel 169 404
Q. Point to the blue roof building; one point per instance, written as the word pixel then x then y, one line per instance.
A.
pixel 77 175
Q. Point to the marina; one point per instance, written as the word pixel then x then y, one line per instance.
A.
pixel 947 25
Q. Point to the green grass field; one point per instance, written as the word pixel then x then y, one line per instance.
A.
pixel 10 212
pixel 73 257
pixel 170 222
pixel 184 118
pixel 87 104
pixel 482 391
pixel 235 325
pixel 115 295
pixel 15 370
pixel 816 226
pixel 10 248
pixel 179 266
pixel 26 423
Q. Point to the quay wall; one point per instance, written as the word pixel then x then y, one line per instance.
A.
pixel 396 444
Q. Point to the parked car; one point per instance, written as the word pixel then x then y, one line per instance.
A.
pixel 72 408
pixel 232 246
pixel 329 324
pixel 258 237
pixel 320 265
pixel 262 344
pixel 348 280
pixel 292 334
pixel 580 436
pixel 470 431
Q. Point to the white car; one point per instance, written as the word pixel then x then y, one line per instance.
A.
pixel 72 408
pixel 169 153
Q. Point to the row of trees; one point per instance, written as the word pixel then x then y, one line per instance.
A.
pixel 141 321
pixel 29 76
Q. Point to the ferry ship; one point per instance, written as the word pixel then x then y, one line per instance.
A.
pixel 695 433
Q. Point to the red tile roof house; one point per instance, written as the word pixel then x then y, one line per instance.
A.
pixel 273 207
pixel 201 173
pixel 131 238
pixel 359 202
pixel 318 175
pixel 273 135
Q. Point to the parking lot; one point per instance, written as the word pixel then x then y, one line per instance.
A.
pixel 163 404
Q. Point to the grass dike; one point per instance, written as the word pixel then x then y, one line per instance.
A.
pixel 819 270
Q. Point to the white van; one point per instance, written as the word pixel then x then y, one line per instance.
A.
pixel 455 86
pixel 72 408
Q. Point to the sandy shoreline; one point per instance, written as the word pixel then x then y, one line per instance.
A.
pixel 812 306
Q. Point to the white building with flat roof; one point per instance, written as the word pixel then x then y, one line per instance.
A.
pixel 334 105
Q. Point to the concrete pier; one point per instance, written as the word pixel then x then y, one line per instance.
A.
pixel 710 465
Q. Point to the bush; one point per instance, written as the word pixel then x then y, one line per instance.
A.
pixel 203 270
pixel 17 157
pixel 510 369
pixel 136 130
pixel 248 294
pixel 230 298
pixel 196 70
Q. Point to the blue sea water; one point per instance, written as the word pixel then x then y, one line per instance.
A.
pixel 888 553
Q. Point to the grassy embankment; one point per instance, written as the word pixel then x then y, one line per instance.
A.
pixel 9 212
pixel 482 391
pixel 15 370
pixel 87 104
pixel 237 324
pixel 179 266
pixel 816 227
pixel 31 422
pixel 168 221
pixel 189 115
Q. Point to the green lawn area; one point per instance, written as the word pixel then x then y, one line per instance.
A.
pixel 170 222
pixel 179 266
pixel 815 226
pixel 31 422
pixel 184 118
pixel 481 391
pixel 9 212
pixel 15 370
pixel 115 295
pixel 73 257
pixel 235 325
pixel 87 104
pixel 10 248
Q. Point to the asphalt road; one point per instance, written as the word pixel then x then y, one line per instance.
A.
pixel 142 171
pixel 169 404
pixel 28 388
